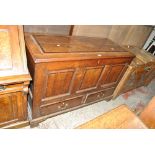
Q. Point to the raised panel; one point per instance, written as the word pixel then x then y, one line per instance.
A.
pixel 8 108
pixel 58 83
pixel 90 77
pixel 112 74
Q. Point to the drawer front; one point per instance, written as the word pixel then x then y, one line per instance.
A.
pixel 10 88
pixel 99 95
pixel 60 106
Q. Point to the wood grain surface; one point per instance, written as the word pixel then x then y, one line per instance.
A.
pixel 72 71
pixel 119 118
pixel 14 76
pixel 148 115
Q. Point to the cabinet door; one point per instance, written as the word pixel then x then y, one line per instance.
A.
pixel 10 111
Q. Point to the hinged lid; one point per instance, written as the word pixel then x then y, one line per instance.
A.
pixel 48 46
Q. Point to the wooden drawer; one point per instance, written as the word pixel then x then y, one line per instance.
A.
pixel 10 88
pixel 99 95
pixel 61 106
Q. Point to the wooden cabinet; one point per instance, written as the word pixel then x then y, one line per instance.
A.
pixel 14 76
pixel 70 72
pixel 140 72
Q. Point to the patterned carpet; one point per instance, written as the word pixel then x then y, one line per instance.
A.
pixel 136 99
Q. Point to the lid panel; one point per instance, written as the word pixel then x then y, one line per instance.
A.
pixel 72 44
pixel 12 51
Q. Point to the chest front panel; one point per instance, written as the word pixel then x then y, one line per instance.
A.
pixel 73 71
pixel 66 79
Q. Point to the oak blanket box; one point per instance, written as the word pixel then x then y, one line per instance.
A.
pixel 70 72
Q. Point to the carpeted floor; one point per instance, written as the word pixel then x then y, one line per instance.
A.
pixel 136 99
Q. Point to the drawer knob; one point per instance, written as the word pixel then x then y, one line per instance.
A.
pixel 63 106
pixel 98 95
pixel 2 88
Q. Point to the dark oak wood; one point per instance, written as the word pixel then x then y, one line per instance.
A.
pixel 70 72
pixel 14 76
